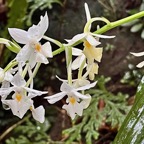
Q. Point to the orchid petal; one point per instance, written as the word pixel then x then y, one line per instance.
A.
pixel 87 86
pixel 33 93
pixel 32 59
pixel 38 114
pixel 86 102
pixel 19 35
pixel 97 53
pixel 92 40
pixel 47 50
pixel 140 65
pixel 69 110
pixel 78 108
pixel 24 54
pixel 76 52
pixel 56 97
pixel 76 38
pixel 6 91
pixel 138 54
pixel 80 82
pixel 37 31
pixel 41 58
pixel 102 36
pixel 43 25
pixel 88 16
pixel 78 62
pixel 65 87
pixel 79 95
pixel 18 80
pixel 5 84
pixel 8 76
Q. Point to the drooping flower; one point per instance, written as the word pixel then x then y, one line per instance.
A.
pixel 91 54
pixel 19 86
pixel 91 38
pixel 33 51
pixel 21 102
pixel 141 64
pixel 76 101
pixel 75 106
pixel 5 79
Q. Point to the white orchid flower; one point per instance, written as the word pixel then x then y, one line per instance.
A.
pixel 19 86
pixel 141 64
pixel 33 51
pixel 91 38
pixel 75 105
pixel 21 103
pixel 90 52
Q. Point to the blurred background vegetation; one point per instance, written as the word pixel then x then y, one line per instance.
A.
pixel 118 77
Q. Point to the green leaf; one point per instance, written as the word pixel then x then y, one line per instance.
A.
pixel 132 130
pixel 17 12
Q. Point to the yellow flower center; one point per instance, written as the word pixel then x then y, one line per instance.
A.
pixel 31 108
pixel 72 100
pixel 18 97
pixel 87 44
pixel 38 47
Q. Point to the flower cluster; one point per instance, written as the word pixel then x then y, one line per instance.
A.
pixel 17 93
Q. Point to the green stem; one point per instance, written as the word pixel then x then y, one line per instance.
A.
pixel 81 69
pixel 10 65
pixel 25 70
pixel 34 74
pixel 13 127
pixel 58 51
pixel 106 28
pixel 86 28
pixel 53 41
pixel 119 22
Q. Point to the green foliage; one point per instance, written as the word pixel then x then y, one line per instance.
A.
pixel 30 133
pixel 111 112
pixel 132 130
pixel 17 11
pixel 136 25
pixel 21 12
pixel 132 76
pixel 39 4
